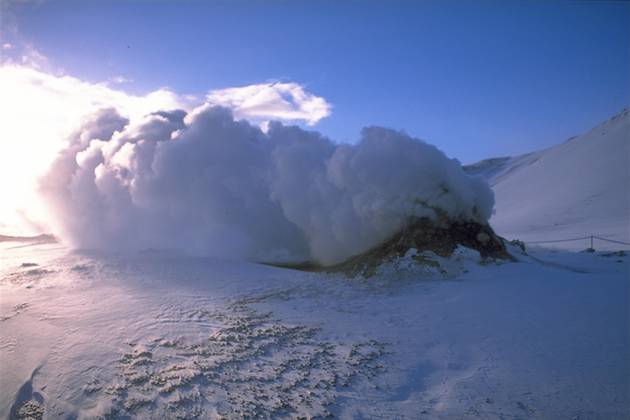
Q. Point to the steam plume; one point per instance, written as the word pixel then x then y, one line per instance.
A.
pixel 212 185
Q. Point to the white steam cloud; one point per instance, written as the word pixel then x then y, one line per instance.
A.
pixel 38 111
pixel 212 185
pixel 41 108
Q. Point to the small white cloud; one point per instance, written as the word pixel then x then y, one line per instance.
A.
pixel 33 58
pixel 30 57
pixel 24 54
pixel 120 80
pixel 272 101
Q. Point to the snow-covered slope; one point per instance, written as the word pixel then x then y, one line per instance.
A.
pixel 578 188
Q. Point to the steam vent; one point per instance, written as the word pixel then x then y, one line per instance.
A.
pixel 426 235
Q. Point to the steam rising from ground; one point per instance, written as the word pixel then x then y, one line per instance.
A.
pixel 212 185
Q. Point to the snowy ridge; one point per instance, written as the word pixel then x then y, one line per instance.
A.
pixel 574 189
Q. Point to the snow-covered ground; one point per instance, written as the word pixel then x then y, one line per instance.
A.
pixel 160 336
pixel 575 189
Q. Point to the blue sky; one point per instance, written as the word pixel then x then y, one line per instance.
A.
pixel 478 79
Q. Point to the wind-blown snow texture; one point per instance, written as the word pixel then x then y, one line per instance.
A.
pixel 577 188
pixel 164 336
pixel 212 185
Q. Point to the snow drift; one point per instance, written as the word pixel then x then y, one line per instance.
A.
pixel 211 185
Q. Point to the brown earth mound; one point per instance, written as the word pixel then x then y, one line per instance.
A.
pixel 442 238
pixel 426 235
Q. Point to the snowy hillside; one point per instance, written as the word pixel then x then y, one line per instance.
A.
pixel 575 189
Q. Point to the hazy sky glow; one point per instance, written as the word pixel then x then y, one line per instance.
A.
pixel 477 79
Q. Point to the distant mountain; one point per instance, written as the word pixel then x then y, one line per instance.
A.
pixel 577 188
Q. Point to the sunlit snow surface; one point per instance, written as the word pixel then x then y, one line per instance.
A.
pixel 165 336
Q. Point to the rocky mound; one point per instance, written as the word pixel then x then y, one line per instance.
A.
pixel 442 238
pixel 426 235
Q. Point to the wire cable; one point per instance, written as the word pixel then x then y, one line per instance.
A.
pixel 578 239
pixel 611 240
pixel 559 240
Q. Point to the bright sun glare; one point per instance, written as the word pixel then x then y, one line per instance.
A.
pixel 39 111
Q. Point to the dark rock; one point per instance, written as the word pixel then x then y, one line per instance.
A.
pixel 426 235
pixel 29 264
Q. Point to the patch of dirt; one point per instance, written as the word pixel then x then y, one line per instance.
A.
pixel 30 410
